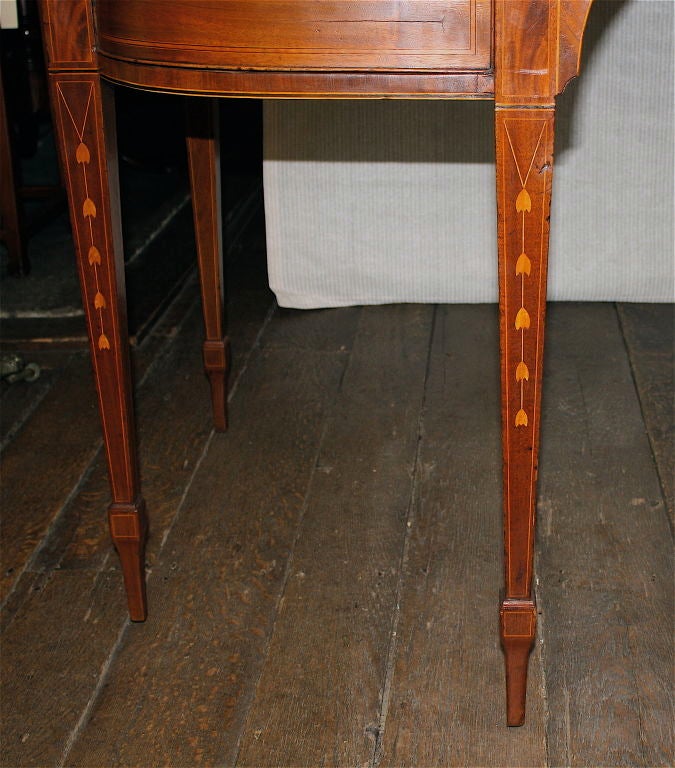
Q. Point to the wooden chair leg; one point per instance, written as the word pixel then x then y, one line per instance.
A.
pixel 84 115
pixel 203 146
pixel 524 140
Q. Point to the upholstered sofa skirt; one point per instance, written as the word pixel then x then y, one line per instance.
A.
pixel 394 201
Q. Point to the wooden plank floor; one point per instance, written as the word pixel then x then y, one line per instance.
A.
pixel 324 578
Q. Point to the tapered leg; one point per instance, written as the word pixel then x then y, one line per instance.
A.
pixel 204 160
pixel 84 114
pixel 524 139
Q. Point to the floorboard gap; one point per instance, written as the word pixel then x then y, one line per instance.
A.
pixel 643 412
pixel 84 717
pixel 410 521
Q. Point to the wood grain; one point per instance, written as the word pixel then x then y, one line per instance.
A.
pixel 605 573
pixel 306 85
pixel 303 34
pixel 65 423
pixel 524 63
pixel 330 330
pixel 68 33
pixel 648 332
pixel 532 38
pixel 53 654
pixel 203 148
pixel 171 439
pixel 171 442
pixel 86 138
pixel 537 48
pixel 446 706
pixel 218 578
pixel 19 403
pixel 66 420
pixel 524 180
pixel 318 698
pixel 524 141
pixel 572 16
pixel 605 563
pixel 75 562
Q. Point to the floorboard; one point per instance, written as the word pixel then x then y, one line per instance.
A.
pixel 53 655
pixel 318 698
pixel 17 404
pixel 180 685
pixel 64 424
pixel 324 578
pixel 605 554
pixel 648 333
pixel 447 700
pixel 76 556
pixel 172 439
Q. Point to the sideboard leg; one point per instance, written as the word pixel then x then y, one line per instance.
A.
pixel 524 141
pixel 203 144
pixel 128 528
pixel 84 113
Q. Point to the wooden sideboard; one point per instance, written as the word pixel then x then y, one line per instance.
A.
pixel 520 53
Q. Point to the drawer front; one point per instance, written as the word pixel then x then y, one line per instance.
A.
pixel 443 35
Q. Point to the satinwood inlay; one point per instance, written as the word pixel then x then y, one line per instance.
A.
pixel 83 159
pixel 523 205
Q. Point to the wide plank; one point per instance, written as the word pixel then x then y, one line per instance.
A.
pixel 70 395
pixel 317 701
pixel 648 333
pixel 180 685
pixel 605 555
pixel 331 330
pixel 65 423
pixel 18 401
pixel 53 655
pixel 77 555
pixel 446 705
pixel 174 438
pixel 171 438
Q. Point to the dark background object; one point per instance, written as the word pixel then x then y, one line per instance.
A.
pixel 45 307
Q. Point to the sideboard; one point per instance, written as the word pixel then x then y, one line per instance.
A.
pixel 519 53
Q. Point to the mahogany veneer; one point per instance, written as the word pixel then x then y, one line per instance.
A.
pixel 521 53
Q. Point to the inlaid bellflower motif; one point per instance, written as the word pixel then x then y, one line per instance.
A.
pixel 82 153
pixel 523 201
